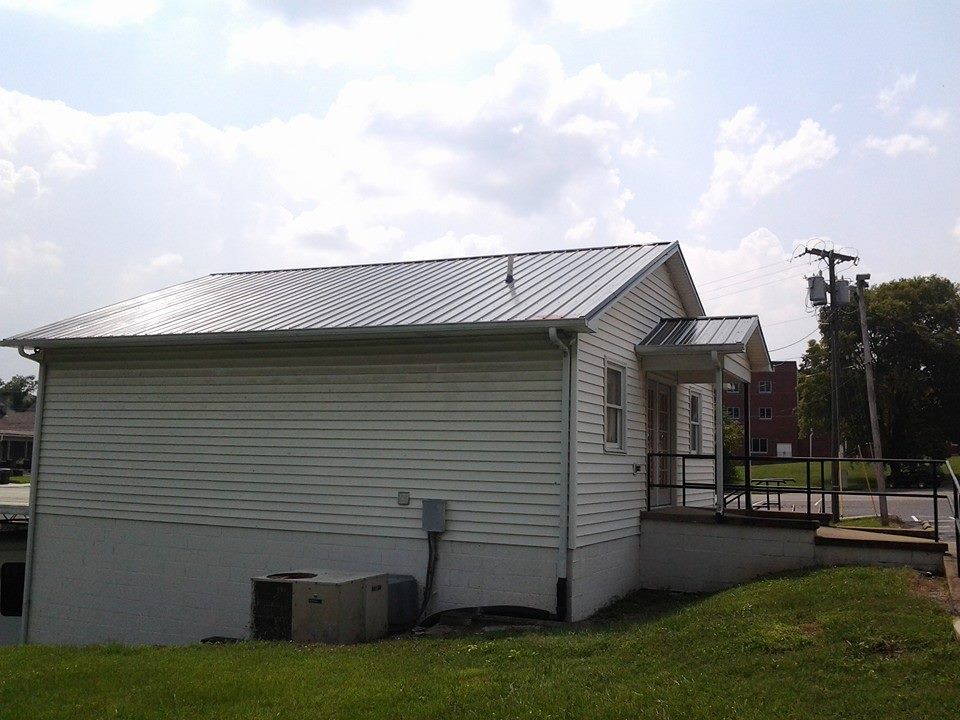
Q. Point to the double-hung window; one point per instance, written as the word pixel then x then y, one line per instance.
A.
pixel 696 431
pixel 614 397
pixel 766 387
pixel 766 413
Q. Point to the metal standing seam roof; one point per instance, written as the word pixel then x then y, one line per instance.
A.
pixel 566 288
pixel 726 334
pixel 674 333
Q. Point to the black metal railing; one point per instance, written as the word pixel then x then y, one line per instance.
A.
pixel 746 489
pixel 955 486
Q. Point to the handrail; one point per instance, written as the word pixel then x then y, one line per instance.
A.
pixel 808 488
pixel 956 512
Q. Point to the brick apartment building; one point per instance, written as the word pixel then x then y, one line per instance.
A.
pixel 774 428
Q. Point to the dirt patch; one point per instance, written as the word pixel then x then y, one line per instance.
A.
pixel 936 589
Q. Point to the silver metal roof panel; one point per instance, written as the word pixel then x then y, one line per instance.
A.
pixel 729 334
pixel 567 288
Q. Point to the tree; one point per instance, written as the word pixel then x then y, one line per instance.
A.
pixel 914 328
pixel 732 447
pixel 19 394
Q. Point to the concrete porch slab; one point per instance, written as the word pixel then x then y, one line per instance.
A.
pixel 849 537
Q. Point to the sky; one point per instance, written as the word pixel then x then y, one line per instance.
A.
pixel 143 142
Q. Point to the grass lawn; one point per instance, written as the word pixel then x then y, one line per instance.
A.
pixel 856 475
pixel 851 643
pixel 867 522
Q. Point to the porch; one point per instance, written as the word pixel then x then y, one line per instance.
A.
pixel 758 526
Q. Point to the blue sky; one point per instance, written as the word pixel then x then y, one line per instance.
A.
pixel 143 143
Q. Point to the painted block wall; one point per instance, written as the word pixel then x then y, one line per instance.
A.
pixel 103 580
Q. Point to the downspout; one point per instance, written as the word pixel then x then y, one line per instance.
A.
pixel 718 429
pixel 564 489
pixel 37 357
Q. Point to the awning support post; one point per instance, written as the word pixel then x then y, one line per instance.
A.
pixel 718 429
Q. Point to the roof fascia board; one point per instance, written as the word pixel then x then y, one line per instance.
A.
pixel 484 328
pixel 699 308
pixel 641 349
pixel 593 317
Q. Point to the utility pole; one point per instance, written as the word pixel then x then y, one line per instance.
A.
pixel 833 257
pixel 872 397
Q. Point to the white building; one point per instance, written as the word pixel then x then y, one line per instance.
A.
pixel 247 423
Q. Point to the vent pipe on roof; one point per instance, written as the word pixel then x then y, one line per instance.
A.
pixel 509 279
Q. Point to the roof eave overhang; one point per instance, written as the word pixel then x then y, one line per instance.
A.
pixel 576 325
pixel 728 349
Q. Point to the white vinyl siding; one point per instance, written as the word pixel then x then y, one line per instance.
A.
pixel 317 438
pixel 609 495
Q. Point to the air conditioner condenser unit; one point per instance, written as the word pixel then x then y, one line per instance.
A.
pixel 319 606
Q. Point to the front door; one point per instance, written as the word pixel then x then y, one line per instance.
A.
pixel 660 439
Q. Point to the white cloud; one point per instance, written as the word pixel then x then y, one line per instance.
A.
pixel 597 15
pixel 23 254
pixel 744 128
pixel 510 161
pixel 956 229
pixel 17 181
pixel 900 144
pixel 926 118
pixel 379 35
pixel 752 163
pixel 730 284
pixel 452 245
pixel 159 271
pixel 101 14
pixel 889 98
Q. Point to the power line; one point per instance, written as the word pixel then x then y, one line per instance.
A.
pixel 745 272
pixel 760 285
pixel 816 329
pixel 750 280
pixel 784 322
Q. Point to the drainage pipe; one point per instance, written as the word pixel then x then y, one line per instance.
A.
pixel 37 357
pixel 564 489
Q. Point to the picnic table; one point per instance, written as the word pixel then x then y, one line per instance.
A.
pixel 767 485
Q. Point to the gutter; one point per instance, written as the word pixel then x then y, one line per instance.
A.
pixel 38 358
pixel 565 465
pixel 271 336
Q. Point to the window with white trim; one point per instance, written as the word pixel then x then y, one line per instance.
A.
pixel 766 413
pixel 696 431
pixel 758 445
pixel 765 387
pixel 733 412
pixel 614 397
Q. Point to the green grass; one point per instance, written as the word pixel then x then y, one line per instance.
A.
pixel 856 475
pixel 851 643
pixel 866 522
pixel 20 479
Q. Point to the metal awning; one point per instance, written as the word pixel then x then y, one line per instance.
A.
pixel 691 347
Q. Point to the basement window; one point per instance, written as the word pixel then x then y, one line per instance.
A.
pixel 11 589
pixel 696 431
pixel 758 445
pixel 614 394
